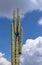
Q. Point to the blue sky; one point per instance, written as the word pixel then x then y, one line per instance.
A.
pixel 30 24
pixel 31 21
pixel 5 34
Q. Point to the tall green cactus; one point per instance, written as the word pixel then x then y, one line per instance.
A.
pixel 16 45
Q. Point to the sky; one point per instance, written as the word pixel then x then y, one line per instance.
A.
pixel 31 21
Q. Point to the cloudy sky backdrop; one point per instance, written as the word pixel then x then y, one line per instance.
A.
pixel 31 21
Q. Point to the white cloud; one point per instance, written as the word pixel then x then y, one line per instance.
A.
pixel 34 2
pixel 1 55
pixel 32 52
pixel 40 21
pixel 7 6
pixel 3 61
